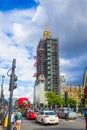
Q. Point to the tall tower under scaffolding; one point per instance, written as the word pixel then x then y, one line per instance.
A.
pixel 47 62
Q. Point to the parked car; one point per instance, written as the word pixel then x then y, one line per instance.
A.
pixel 36 110
pixel 25 111
pixel 44 109
pixel 66 112
pixel 47 117
pixel 31 114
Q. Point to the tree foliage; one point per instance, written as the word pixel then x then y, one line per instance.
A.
pixel 72 102
pixel 54 99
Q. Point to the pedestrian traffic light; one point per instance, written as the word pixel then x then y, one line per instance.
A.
pixel 66 98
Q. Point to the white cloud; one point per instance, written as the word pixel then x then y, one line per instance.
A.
pixel 19 33
pixel 22 91
pixel 40 15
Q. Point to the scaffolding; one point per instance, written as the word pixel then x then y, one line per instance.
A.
pixel 47 62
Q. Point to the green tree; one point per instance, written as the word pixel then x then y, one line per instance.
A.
pixel 72 102
pixel 54 99
pixel 51 98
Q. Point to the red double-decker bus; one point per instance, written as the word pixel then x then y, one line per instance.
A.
pixel 22 103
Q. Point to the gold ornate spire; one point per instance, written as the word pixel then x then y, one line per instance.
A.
pixel 46 26
pixel 47 32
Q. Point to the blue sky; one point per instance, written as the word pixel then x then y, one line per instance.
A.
pixel 22 23
pixel 7 5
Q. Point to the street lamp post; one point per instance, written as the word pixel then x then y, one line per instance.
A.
pixel 2 96
pixel 34 102
pixel 80 97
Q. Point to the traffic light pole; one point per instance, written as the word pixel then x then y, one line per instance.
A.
pixel 10 111
pixel 66 98
pixel 66 102
pixel 11 93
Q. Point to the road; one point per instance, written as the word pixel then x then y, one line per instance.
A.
pixel 78 124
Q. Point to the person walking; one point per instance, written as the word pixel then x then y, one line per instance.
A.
pixel 13 126
pixel 13 118
pixel 18 119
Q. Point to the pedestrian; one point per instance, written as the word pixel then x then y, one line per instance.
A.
pixel 85 115
pixel 2 116
pixel 18 119
pixel 13 118
pixel 13 121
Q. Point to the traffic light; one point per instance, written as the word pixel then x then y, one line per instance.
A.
pixel 83 101
pixel 66 98
pixel 14 80
pixel 13 84
pixel 85 92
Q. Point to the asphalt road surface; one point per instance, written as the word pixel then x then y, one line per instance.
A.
pixel 78 124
